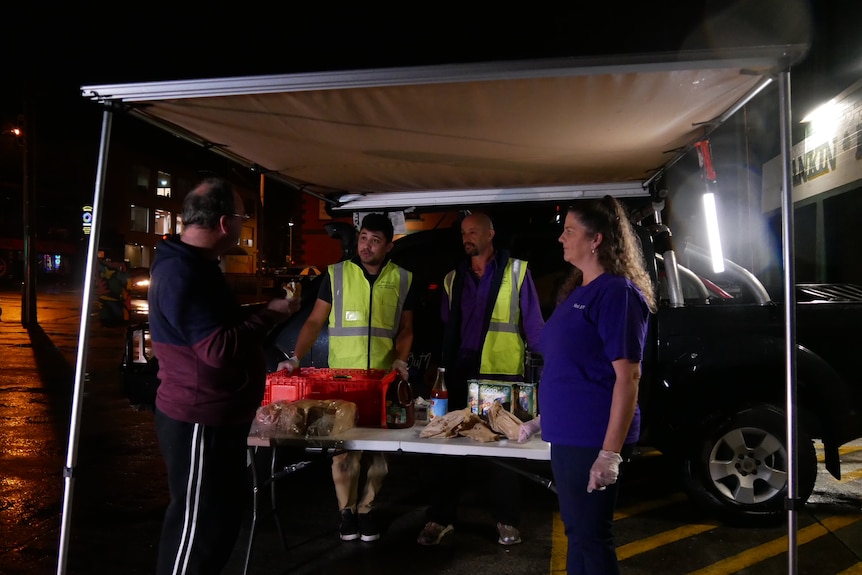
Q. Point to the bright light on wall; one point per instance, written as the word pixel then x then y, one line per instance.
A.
pixel 712 232
pixel 823 123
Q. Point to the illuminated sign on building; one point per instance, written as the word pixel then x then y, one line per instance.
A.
pixel 828 158
pixel 86 219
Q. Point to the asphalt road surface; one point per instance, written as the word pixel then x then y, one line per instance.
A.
pixel 119 492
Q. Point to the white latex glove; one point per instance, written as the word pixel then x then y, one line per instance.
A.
pixel 290 364
pixel 605 470
pixel 529 428
pixel 400 366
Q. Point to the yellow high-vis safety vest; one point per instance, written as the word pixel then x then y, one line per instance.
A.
pixel 503 350
pixel 364 319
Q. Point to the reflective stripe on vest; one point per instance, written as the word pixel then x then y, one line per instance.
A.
pixel 503 347
pixel 364 319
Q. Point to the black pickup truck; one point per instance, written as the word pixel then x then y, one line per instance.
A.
pixel 713 388
pixel 713 392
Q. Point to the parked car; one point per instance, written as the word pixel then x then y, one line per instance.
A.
pixel 140 368
pixel 139 282
pixel 296 272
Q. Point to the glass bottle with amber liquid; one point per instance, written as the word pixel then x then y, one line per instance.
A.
pixel 439 396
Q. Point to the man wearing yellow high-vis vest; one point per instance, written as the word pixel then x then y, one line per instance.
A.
pixel 489 309
pixel 367 302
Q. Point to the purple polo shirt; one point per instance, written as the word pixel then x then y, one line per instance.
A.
pixel 601 322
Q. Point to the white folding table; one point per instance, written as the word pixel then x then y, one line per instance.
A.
pixel 408 441
pixel 385 440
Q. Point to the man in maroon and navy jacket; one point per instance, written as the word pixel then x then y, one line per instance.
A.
pixel 212 372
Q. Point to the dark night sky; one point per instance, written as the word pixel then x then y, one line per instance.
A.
pixel 56 49
pixel 113 44
pixel 106 46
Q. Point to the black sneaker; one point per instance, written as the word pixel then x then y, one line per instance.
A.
pixel 349 528
pixel 368 528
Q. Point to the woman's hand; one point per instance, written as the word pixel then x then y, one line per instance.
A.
pixel 605 470
pixel 529 429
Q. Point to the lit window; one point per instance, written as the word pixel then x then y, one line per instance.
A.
pixel 179 223
pixel 247 238
pixel 163 187
pixel 163 223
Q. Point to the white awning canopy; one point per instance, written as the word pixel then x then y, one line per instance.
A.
pixel 458 134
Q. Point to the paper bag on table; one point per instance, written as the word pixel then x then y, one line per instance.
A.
pixel 504 422
pixel 444 426
pixel 475 428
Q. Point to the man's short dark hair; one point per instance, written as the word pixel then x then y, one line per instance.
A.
pixel 208 201
pixel 379 223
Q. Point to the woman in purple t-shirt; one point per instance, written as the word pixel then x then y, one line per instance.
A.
pixel 592 347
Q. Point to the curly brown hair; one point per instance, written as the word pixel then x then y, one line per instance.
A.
pixel 620 251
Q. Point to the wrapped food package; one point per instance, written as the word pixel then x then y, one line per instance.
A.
pixel 445 426
pixel 328 416
pixel 503 421
pixel 278 419
pixel 304 417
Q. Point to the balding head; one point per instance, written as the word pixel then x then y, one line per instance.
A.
pixel 479 219
pixel 477 234
pixel 211 220
pixel 211 199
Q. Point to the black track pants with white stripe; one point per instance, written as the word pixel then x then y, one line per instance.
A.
pixel 209 488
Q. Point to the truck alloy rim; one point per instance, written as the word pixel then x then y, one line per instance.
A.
pixel 748 465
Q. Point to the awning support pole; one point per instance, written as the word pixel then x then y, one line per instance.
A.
pixel 83 332
pixel 789 318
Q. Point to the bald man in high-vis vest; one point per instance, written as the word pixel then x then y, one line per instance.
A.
pixel 367 302
pixel 491 312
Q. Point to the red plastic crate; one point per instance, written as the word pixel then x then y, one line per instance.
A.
pixel 281 385
pixel 364 387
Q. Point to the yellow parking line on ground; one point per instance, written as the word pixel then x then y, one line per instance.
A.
pixel 776 546
pixel 665 538
pixel 558 533
pixel 854 570
pixel 851 476
pixel 558 547
pixel 648 506
pixel 843 450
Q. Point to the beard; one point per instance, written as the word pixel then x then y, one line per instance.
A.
pixel 370 259
pixel 471 249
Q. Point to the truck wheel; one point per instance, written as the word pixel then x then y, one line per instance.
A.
pixel 738 470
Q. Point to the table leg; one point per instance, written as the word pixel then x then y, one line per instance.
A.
pixel 254 510
pixel 274 475
pixel 543 481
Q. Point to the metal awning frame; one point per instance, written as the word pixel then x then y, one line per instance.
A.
pixel 780 59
